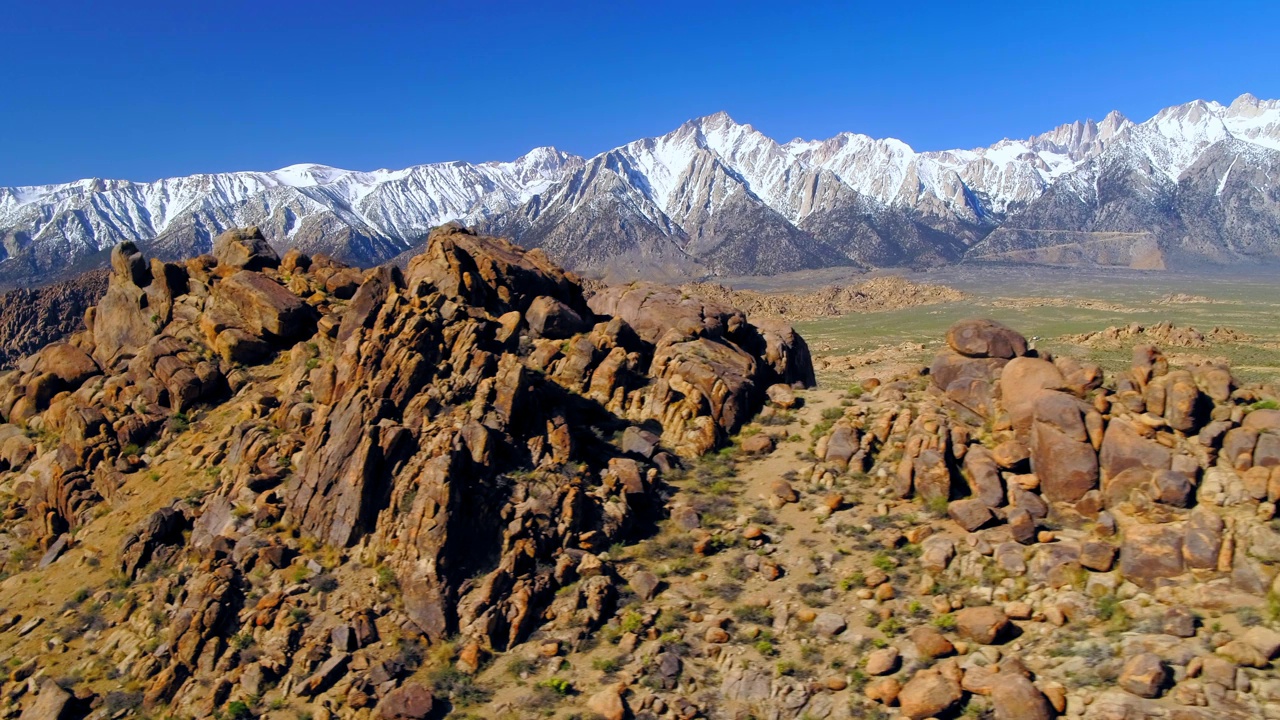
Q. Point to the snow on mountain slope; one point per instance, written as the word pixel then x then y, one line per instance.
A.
pixel 675 186
pixel 90 215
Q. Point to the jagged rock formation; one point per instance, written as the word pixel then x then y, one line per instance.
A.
pixel 452 421
pixel 33 318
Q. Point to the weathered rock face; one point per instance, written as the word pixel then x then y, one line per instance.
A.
pixel 122 320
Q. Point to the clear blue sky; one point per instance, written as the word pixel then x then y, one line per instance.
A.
pixel 142 89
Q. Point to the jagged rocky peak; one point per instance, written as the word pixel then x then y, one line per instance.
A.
pixel 1081 140
pixel 474 425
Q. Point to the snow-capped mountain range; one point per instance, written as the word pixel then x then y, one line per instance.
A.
pixel 718 197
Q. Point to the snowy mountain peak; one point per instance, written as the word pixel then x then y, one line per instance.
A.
pixel 679 182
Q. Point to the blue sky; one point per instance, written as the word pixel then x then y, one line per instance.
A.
pixel 145 88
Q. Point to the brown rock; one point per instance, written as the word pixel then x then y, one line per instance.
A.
pixel 978 680
pixel 245 249
pixel 781 395
pixel 1174 488
pixel 1022 526
pixel 1262 420
pixel 983 625
pixel 842 444
pixel 1242 653
pixel 550 318
pixel 1061 456
pixel 1098 556
pixel 1020 383
pixel 1011 455
pixel 1180 622
pixel 325 675
pixel 1144 675
pixel 50 703
pixel 970 513
pixel 1238 445
pixel 608 704
pixel 344 283
pixel 1150 553
pixel 1123 447
pixel 410 701
pixel 260 305
pixel 1263 639
pixel 982 338
pixel 883 690
pixel 121 322
pixel 1202 542
pixel 882 661
pixel 236 345
pixel 930 642
pixel 1014 697
pixel 932 476
pixel 982 472
pixel 759 444
pixel 782 490
pixel 68 363
pixel 927 694
pixel 645 584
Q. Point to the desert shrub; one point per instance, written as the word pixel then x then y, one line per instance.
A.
pixel 607 664
pixel 458 686
pixel 753 614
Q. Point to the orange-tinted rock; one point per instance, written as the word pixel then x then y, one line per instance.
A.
pixel 985 338
pixel 1061 456
pixel 245 249
pixel 927 694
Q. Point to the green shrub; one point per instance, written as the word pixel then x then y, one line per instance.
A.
pixel 558 685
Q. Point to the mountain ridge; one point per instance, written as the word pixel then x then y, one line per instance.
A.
pixel 659 205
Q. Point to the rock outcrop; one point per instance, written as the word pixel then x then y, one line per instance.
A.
pixel 449 423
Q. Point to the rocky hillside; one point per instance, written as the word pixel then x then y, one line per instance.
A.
pixel 283 488
pixel 259 481
pixel 33 318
